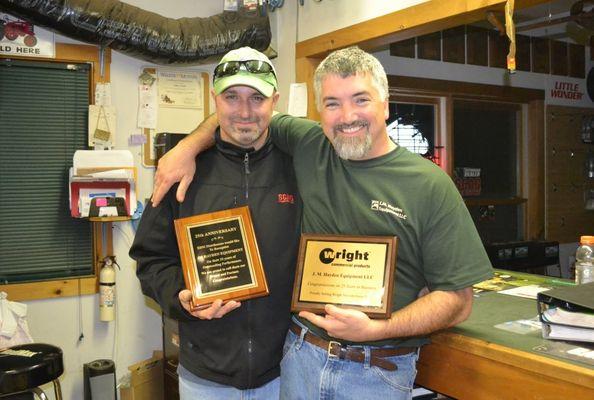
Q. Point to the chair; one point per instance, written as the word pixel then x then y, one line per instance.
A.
pixel 25 367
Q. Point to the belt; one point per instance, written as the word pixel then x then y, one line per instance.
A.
pixel 356 354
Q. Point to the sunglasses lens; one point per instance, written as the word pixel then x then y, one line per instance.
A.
pixel 226 69
pixel 258 67
pixel 233 67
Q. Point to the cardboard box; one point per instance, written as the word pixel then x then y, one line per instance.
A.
pixel 146 380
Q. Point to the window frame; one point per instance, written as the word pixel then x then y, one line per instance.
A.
pixel 65 52
pixel 532 158
pixel 439 140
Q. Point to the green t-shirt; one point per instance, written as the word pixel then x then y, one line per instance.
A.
pixel 398 194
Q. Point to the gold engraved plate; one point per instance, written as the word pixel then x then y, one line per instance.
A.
pixel 220 256
pixel 349 271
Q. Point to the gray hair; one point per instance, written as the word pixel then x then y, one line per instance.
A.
pixel 348 62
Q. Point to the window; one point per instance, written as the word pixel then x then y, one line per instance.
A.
pixel 78 277
pixel 508 121
pixel 487 139
pixel 412 124
pixel 44 120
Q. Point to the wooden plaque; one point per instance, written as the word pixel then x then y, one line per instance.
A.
pixel 220 257
pixel 351 271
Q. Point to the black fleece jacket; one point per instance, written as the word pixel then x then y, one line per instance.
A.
pixel 243 348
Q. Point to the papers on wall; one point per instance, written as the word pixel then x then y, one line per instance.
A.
pixel 102 126
pixel 171 101
pixel 103 94
pixel 298 100
pixel 147 101
pixel 180 89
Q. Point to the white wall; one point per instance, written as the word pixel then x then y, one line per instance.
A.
pixel 319 17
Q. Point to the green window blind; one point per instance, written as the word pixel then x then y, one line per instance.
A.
pixel 43 120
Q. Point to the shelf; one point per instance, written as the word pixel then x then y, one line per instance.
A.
pixel 494 201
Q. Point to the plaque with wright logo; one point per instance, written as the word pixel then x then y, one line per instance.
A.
pixel 220 257
pixel 349 271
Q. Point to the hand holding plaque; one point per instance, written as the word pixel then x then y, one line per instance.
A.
pixel 352 271
pixel 220 257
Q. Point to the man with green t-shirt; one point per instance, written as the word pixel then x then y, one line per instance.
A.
pixel 355 181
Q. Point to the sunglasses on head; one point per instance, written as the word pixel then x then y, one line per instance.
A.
pixel 232 67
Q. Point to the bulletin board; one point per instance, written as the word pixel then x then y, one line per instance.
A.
pixel 181 105
pixel 567 181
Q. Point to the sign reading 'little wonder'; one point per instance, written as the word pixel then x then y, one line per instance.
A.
pixel 220 256
pixel 351 271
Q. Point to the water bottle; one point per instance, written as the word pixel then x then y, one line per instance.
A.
pixel 584 260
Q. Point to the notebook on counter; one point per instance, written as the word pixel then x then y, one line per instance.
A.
pixel 567 312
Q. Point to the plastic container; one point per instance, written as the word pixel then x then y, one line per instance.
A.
pixel 584 260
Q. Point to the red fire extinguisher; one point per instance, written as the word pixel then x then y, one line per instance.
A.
pixel 107 289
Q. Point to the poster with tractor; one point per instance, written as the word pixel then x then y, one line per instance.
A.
pixel 21 38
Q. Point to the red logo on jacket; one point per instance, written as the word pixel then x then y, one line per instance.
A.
pixel 286 198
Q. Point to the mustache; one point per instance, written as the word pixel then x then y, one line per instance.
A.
pixel 354 124
pixel 239 119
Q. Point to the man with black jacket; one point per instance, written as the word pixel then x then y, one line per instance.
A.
pixel 230 348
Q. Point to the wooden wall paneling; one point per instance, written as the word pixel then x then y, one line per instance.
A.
pixel 426 17
pixel 429 46
pixel 477 46
pixel 448 163
pixel 577 60
pixel 566 181
pixel 559 58
pixel 540 55
pixel 523 58
pixel 498 49
pixel 535 171
pixel 521 172
pixel 404 48
pixel 410 22
pixel 454 46
pixel 462 90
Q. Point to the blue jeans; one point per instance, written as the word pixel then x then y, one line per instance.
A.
pixel 192 387
pixel 307 373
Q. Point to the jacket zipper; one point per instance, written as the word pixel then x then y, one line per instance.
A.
pixel 246 168
pixel 250 346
